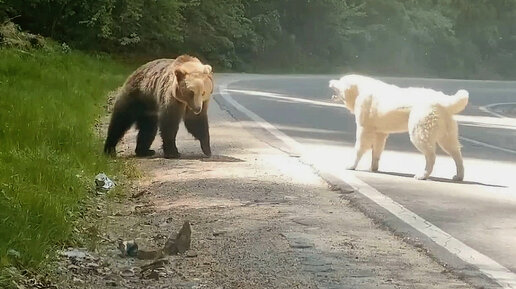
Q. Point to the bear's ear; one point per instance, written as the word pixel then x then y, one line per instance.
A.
pixel 180 74
pixel 207 69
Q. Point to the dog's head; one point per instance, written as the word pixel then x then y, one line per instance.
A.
pixel 346 91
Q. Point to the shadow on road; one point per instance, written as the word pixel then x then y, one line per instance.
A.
pixel 437 179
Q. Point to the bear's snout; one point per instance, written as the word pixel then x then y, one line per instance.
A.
pixel 197 110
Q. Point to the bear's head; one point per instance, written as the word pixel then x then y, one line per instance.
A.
pixel 194 88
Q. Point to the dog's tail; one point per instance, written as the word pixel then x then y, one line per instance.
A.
pixel 457 102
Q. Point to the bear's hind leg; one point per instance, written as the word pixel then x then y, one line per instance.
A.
pixel 197 125
pixel 147 124
pixel 169 125
pixel 122 119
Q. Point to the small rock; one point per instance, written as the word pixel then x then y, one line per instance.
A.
pixel 182 241
pixel 127 273
pixel 92 265
pixel 152 275
pixel 155 265
pixel 300 243
pixel 122 213
pixel 111 283
pixel 75 254
pixel 333 188
pixel 218 233
pixel 73 268
pixel 183 238
pixel 78 280
pixel 191 254
pixel 139 194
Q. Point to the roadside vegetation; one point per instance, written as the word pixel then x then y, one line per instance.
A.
pixel 443 38
pixel 51 98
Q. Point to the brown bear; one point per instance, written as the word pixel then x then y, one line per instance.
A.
pixel 160 94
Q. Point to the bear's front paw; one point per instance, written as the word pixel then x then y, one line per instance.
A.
pixel 205 147
pixel 172 155
pixel 207 153
pixel 145 153
pixel 110 151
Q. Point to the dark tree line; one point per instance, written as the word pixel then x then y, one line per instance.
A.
pixel 446 38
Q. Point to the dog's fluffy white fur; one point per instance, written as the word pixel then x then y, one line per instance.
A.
pixel 381 109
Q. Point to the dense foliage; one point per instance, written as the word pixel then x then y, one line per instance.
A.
pixel 448 38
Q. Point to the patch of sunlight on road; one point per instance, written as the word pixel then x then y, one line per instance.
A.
pixel 490 177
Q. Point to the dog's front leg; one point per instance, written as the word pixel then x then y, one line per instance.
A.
pixel 363 143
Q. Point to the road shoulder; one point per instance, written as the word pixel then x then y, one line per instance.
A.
pixel 260 219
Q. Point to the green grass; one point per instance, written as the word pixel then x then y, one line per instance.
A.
pixel 49 149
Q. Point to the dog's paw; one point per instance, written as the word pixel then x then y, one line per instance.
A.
pixel 421 176
pixel 351 167
pixel 458 178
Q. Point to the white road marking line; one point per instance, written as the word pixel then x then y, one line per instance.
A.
pixel 487 108
pixel 260 121
pixel 283 97
pixel 500 274
pixel 487 145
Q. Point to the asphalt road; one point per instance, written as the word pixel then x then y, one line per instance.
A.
pixel 480 212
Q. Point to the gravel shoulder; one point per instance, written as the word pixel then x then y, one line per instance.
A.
pixel 260 219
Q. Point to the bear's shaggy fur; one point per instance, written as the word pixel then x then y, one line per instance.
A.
pixel 160 94
pixel 381 109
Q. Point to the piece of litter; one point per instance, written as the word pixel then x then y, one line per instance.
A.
pixel 13 253
pixel 128 248
pixel 103 183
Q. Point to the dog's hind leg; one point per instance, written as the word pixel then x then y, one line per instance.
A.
pixel 378 147
pixel 423 127
pixel 363 143
pixel 450 144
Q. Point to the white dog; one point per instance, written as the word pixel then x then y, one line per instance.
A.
pixel 381 109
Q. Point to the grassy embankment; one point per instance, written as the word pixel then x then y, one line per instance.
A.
pixel 50 151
